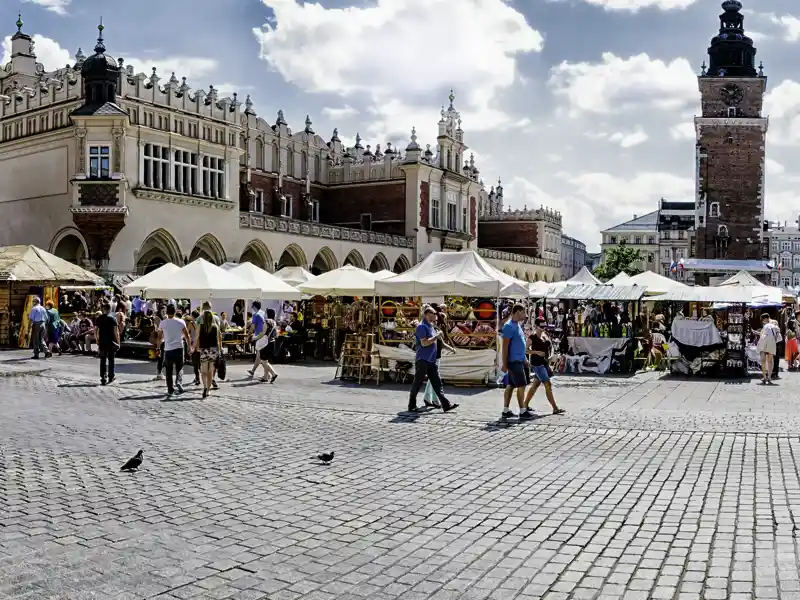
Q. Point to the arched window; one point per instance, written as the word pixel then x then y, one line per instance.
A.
pixel 303 164
pixel 276 157
pixel 317 168
pixel 722 230
pixel 259 154
pixel 290 162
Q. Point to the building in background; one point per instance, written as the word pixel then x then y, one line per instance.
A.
pixel 784 240
pixel 531 238
pixel 731 139
pixel 640 233
pixel 593 260
pixel 675 231
pixel 123 172
pixel 573 256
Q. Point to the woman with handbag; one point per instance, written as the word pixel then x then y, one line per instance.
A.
pixel 265 346
pixel 209 344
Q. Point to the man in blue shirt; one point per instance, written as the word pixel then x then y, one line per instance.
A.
pixel 515 362
pixel 256 326
pixel 38 319
pixel 426 337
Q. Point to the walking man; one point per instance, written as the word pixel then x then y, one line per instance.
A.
pixel 172 333
pixel 107 333
pixel 540 349
pixel 38 318
pixel 426 337
pixel 256 328
pixel 515 363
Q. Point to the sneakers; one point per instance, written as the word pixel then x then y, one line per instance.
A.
pixel 214 385
pixel 450 407
pixel 159 377
pixel 507 414
pixel 251 373
pixel 179 387
pixel 526 415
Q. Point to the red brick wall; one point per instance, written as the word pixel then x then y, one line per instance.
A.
pixel 424 203
pixel 386 202
pixel 519 237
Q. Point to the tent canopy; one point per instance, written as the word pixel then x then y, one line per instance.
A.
pixel 584 277
pixel 272 288
pixel 294 276
pixel 29 263
pixel 655 283
pixel 137 286
pixel 344 281
pixel 203 280
pixel 621 278
pixel 453 274
pixel 743 278
pixel 600 292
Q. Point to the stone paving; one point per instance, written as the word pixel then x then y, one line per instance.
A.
pixel 647 488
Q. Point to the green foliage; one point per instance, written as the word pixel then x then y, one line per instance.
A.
pixel 618 259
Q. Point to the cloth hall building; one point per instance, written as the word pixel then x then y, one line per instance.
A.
pixel 123 171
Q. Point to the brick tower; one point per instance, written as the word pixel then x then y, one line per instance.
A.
pixel 731 136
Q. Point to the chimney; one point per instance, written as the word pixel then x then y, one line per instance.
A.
pixel 634 215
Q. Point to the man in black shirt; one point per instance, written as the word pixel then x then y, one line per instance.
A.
pixel 107 333
pixel 540 349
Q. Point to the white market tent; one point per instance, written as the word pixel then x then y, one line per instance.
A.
pixel 538 289
pixel 621 278
pixel 203 280
pixel 584 277
pixel 294 276
pixel 271 287
pixel 453 274
pixel 384 274
pixel 29 263
pixel 762 294
pixel 655 283
pixel 743 278
pixel 344 281
pixel 138 286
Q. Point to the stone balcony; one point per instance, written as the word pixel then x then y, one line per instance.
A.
pixel 519 258
pixel 262 222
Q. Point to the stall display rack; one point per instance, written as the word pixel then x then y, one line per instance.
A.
pixel 398 321
pixel 735 342
pixel 356 362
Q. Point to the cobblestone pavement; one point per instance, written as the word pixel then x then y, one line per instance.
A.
pixel 647 488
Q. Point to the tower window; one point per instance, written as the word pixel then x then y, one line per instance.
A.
pixel 714 210
pixel 731 111
pixel 99 162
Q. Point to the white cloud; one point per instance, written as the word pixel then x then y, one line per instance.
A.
pixel 344 112
pixel 790 26
pixel 626 139
pixel 601 199
pixel 637 5
pixel 57 6
pixel 404 55
pixel 193 68
pixel 683 131
pixel 48 52
pixel 782 105
pixel 774 167
pixel 619 84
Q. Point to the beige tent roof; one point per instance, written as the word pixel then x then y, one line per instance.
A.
pixel 743 278
pixel 584 277
pixel 29 263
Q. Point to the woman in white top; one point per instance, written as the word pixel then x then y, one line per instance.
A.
pixel 768 347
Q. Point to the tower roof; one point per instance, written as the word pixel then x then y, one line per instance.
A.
pixel 99 65
pixel 731 53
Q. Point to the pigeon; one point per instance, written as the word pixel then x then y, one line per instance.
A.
pixel 325 457
pixel 134 463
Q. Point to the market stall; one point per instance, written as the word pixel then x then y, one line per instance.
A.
pixel 716 340
pixel 137 286
pixel 602 338
pixel 198 281
pixel 471 290
pixel 28 271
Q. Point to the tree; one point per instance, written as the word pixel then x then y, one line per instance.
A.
pixel 618 259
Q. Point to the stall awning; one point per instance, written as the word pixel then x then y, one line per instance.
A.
pixel 716 265
pixel 610 293
pixel 726 294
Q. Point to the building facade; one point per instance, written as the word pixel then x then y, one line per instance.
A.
pixel 640 233
pixel 730 151
pixel 784 242
pixel 123 172
pixel 573 256
pixel 675 236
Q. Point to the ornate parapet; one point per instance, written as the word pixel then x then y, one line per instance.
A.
pixel 331 232
pixel 540 214
pixel 519 258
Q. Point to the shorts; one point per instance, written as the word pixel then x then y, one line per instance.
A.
pixel 208 354
pixel 519 374
pixel 541 372
pixel 267 352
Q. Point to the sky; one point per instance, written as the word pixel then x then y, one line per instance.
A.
pixel 584 106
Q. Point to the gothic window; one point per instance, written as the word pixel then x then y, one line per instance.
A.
pixel 714 210
pixel 258 203
pixel 185 172
pixel 290 162
pixel 317 168
pixel 286 206
pixel 315 211
pixel 731 111
pixel 722 230
pixel 303 165
pixel 276 157
pixel 259 154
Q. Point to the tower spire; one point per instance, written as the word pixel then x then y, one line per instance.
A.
pixel 731 52
pixel 100 48
pixel 19 22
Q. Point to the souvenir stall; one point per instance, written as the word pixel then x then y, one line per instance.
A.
pixel 715 342
pixel 601 339
pixel 471 290
pixel 27 272
pixel 338 309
